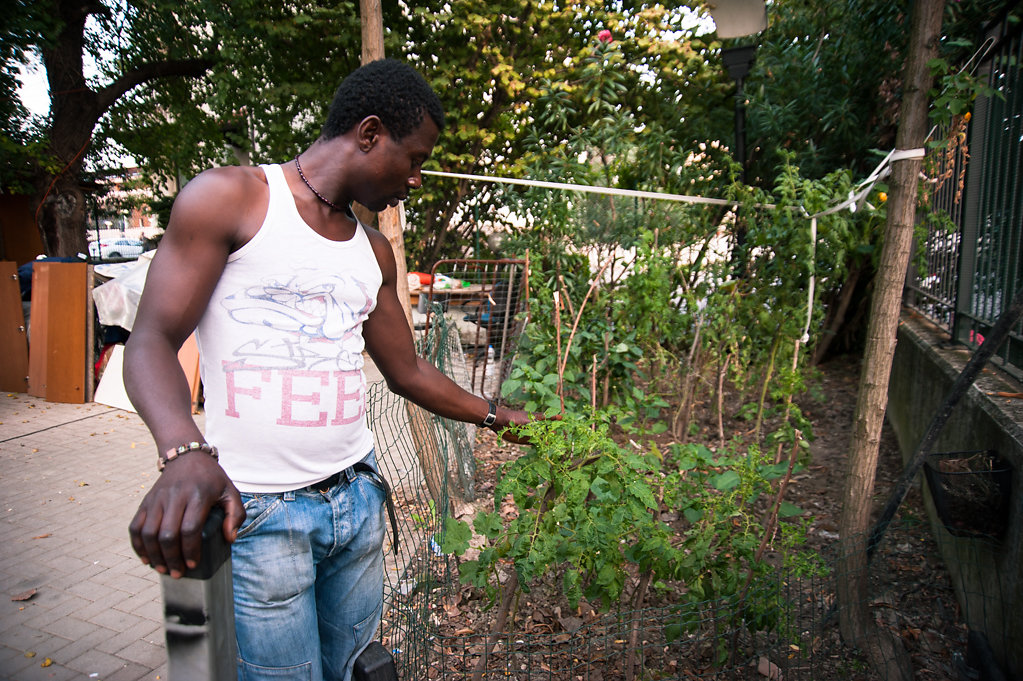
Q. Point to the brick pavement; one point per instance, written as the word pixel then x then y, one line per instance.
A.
pixel 71 477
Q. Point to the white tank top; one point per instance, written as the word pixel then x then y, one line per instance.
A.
pixel 281 346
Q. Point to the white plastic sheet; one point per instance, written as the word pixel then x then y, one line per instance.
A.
pixel 117 301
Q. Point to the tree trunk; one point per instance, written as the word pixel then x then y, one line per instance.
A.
pixel 75 108
pixel 59 201
pixel 858 629
pixel 372 18
pixel 391 222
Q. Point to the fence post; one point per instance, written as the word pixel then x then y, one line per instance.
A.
pixel 198 613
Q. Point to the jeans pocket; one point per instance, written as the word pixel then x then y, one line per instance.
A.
pixel 373 480
pixel 367 629
pixel 258 509
pixel 255 672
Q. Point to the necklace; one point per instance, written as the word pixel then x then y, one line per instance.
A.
pixel 320 196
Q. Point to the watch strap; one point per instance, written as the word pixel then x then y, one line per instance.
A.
pixel 491 417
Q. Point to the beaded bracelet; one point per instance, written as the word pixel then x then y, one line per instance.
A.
pixel 175 452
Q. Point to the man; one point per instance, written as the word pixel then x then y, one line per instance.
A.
pixel 286 288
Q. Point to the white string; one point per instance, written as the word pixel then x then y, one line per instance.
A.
pixel 805 338
pixel 613 191
pixel 855 197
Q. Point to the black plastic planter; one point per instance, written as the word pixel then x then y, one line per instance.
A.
pixel 970 492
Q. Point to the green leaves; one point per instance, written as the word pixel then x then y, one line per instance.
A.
pixel 589 508
pixel 456 536
pixel 726 481
pixel 789 510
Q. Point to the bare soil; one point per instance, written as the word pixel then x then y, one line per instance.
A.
pixel 911 594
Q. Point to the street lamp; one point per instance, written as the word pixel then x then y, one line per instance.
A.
pixel 736 19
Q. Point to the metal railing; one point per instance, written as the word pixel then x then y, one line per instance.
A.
pixel 972 263
pixel 485 305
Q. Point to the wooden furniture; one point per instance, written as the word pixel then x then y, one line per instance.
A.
pixel 58 344
pixel 13 334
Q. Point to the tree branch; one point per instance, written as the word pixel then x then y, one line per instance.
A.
pixel 151 71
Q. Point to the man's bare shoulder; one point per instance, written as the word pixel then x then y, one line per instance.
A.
pixel 228 182
pixel 228 203
pixel 381 249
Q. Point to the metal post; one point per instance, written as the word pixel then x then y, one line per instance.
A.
pixel 738 61
pixel 198 612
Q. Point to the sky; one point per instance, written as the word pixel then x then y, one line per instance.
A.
pixel 34 91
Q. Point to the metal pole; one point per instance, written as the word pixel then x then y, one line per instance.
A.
pixel 198 613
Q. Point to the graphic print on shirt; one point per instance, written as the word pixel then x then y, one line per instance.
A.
pixel 305 348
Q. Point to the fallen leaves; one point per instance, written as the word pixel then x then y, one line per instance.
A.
pixel 24 596
pixel 451 608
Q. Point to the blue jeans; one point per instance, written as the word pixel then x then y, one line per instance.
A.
pixel 308 579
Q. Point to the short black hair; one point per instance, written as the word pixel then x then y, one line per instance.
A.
pixel 389 89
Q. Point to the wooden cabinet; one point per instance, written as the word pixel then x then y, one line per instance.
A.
pixel 59 338
pixel 13 335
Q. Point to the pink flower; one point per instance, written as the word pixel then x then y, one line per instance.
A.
pixel 604 36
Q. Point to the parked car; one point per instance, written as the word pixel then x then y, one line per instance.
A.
pixel 105 249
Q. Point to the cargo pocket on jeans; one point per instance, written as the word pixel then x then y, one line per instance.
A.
pixel 254 672
pixel 365 629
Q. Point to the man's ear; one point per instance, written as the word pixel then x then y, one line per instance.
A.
pixel 368 132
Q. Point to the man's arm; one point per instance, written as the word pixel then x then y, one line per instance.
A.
pixel 390 344
pixel 167 529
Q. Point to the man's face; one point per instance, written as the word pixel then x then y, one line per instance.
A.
pixel 394 166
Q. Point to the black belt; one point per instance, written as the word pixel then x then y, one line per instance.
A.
pixel 363 467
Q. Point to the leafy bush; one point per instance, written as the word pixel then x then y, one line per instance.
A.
pixel 595 513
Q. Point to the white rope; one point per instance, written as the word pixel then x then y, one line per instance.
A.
pixel 903 154
pixel 613 191
pixel 854 200
pixel 805 338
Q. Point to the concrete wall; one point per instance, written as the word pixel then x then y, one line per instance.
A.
pixel 987 574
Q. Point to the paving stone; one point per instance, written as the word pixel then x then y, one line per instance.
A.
pixel 132 672
pixel 120 641
pixel 91 590
pixel 117 578
pixel 69 627
pixel 53 672
pixel 12 660
pixel 96 662
pixel 25 639
pixel 97 611
pixel 143 605
pixel 94 598
pixel 65 605
pixel 144 653
pixel 116 620
pixel 91 641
